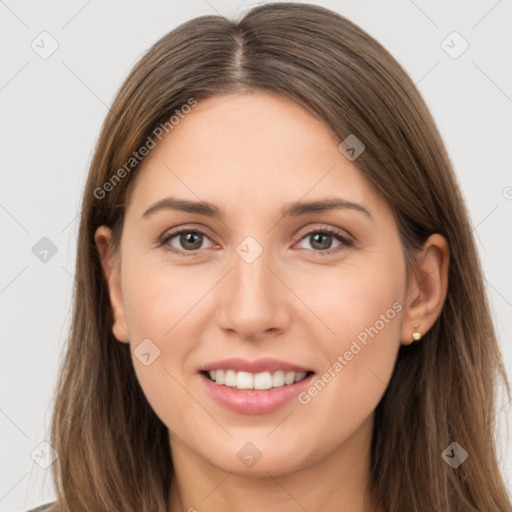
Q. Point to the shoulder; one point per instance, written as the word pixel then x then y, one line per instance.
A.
pixel 47 507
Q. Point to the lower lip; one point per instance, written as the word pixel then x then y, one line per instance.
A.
pixel 250 401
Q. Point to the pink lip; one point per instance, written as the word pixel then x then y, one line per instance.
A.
pixel 247 401
pixel 265 364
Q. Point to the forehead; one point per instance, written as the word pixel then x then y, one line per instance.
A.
pixel 249 150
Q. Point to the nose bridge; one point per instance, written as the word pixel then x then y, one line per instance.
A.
pixel 250 271
pixel 252 280
pixel 251 299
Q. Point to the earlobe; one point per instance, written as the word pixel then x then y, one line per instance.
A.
pixel 110 266
pixel 427 289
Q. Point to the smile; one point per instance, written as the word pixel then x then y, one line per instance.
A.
pixel 257 381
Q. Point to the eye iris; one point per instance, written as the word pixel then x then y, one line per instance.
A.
pixel 315 238
pixel 189 237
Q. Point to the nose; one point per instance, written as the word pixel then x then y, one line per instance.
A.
pixel 253 301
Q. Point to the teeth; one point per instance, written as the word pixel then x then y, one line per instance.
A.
pixel 300 376
pixel 244 380
pixel 289 378
pixel 230 378
pixel 278 379
pixel 263 380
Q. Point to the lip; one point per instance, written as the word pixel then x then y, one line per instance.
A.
pixel 265 364
pixel 244 401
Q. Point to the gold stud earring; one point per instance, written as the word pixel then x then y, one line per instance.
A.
pixel 416 336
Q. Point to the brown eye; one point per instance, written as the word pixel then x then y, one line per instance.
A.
pixel 321 241
pixel 191 241
pixel 188 240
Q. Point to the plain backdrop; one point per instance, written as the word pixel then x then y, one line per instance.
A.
pixel 51 110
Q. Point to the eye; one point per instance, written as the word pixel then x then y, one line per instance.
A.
pixel 190 241
pixel 321 241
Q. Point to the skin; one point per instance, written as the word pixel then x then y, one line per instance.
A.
pixel 249 154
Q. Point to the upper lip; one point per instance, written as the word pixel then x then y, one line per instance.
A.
pixel 265 364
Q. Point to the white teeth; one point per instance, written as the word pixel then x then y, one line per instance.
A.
pixel 299 376
pixel 230 378
pixel 263 380
pixel 278 379
pixel 244 380
pixel 219 376
pixel 289 378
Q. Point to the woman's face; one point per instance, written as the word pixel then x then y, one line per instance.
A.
pixel 252 293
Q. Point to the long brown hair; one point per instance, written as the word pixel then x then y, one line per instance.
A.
pixel 113 450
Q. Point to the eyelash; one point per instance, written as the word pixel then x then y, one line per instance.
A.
pixel 345 241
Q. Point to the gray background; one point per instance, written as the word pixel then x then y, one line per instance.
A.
pixel 51 111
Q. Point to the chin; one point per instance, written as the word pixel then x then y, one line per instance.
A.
pixel 258 459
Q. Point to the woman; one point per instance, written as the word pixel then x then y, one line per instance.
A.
pixel 279 304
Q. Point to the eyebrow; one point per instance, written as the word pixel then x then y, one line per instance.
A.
pixel 294 209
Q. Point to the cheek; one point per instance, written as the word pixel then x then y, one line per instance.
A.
pixel 165 305
pixel 160 314
pixel 352 296
pixel 158 298
pixel 362 307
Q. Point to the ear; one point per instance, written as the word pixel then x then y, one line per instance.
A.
pixel 427 287
pixel 111 271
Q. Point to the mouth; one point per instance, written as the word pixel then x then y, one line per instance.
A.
pixel 254 387
pixel 255 381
